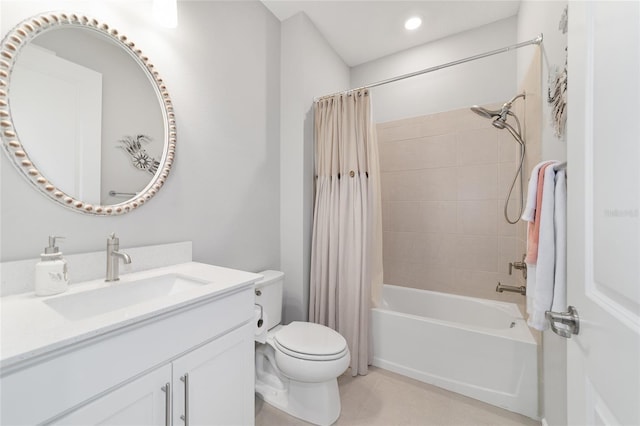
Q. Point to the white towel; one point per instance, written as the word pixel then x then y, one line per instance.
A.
pixel 530 208
pixel 551 248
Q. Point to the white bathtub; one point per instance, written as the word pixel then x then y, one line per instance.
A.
pixel 479 348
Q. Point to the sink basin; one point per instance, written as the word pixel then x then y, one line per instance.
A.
pixel 120 295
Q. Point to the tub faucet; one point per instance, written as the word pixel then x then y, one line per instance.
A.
pixel 522 266
pixel 501 288
pixel 113 263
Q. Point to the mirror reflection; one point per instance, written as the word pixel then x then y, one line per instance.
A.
pixel 87 115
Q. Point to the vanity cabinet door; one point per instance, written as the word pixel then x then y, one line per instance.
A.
pixel 141 402
pixel 214 384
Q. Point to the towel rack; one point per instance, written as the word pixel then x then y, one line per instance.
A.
pixel 563 166
pixel 122 194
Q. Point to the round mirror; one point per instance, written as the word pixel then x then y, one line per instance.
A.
pixel 84 116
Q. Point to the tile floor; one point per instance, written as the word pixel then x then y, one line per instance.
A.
pixel 382 398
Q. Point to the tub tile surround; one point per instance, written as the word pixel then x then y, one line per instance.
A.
pixel 444 180
pixel 17 276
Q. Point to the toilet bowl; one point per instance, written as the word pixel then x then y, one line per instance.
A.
pixel 298 365
pixel 310 352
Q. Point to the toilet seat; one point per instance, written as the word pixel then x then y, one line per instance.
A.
pixel 309 341
pixel 309 357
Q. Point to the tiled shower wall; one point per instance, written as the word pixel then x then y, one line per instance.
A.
pixel 445 177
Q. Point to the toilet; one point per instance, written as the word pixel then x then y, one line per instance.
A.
pixel 297 365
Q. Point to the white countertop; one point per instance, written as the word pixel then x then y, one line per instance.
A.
pixel 31 328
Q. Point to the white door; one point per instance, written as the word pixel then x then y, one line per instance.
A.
pixel 603 360
pixel 214 384
pixel 142 402
pixel 65 100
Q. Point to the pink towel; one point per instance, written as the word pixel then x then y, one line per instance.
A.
pixel 533 228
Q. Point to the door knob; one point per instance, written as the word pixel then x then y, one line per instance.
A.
pixel 569 318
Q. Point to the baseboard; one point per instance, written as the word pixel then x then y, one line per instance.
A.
pixel 544 422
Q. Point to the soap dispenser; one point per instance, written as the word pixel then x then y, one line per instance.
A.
pixel 51 272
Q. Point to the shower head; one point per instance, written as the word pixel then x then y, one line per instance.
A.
pixel 483 112
pixel 499 113
pixel 499 121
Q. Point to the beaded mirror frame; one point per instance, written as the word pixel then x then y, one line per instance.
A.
pixel 20 36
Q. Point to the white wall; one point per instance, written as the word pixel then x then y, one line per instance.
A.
pixel 309 68
pixel 222 69
pixel 535 18
pixel 485 81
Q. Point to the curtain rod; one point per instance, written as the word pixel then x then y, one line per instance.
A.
pixel 537 40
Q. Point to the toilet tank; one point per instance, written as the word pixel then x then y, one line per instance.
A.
pixel 269 296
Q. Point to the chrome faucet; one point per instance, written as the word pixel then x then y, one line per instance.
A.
pixel 113 264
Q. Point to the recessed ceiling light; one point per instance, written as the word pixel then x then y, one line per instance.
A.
pixel 413 23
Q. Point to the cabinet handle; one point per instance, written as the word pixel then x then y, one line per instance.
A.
pixel 185 416
pixel 167 404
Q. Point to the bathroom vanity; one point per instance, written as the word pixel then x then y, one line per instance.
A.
pixel 172 345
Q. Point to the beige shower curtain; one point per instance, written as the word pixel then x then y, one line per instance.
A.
pixel 346 252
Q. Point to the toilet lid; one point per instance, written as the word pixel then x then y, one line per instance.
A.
pixel 310 341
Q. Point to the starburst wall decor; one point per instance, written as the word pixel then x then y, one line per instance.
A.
pixel 557 90
pixel 139 156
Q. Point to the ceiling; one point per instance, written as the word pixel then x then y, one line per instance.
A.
pixel 364 30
